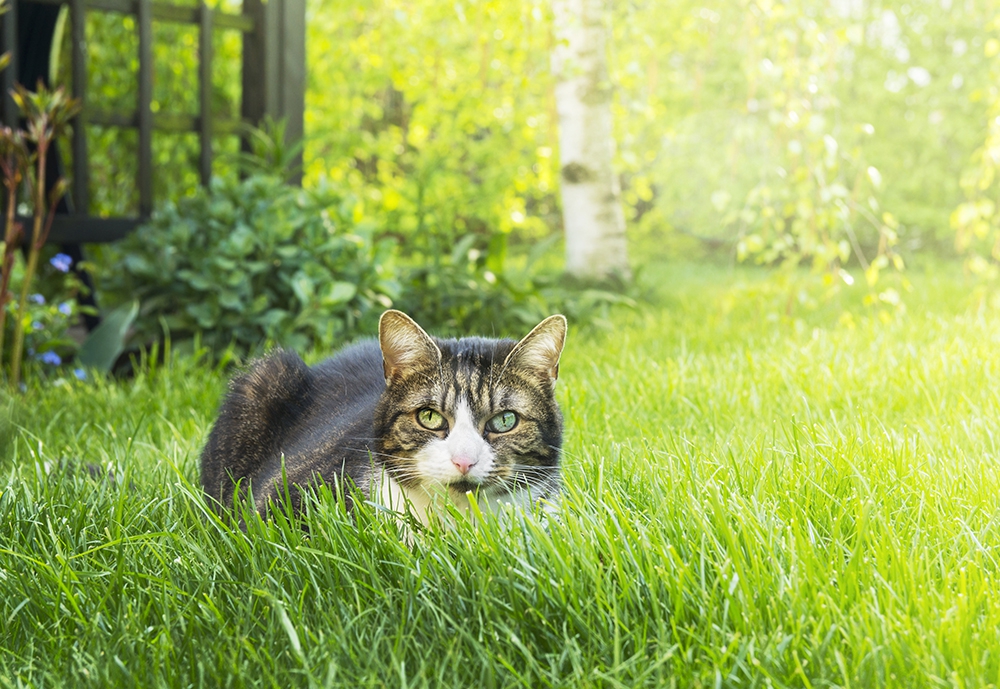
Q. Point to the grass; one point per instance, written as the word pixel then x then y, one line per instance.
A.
pixel 760 491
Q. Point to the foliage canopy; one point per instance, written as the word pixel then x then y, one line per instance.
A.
pixel 787 132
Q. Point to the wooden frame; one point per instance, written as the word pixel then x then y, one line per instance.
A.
pixel 273 85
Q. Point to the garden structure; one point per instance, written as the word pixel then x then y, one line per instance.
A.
pixel 273 85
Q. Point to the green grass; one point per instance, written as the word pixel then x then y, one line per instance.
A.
pixel 760 491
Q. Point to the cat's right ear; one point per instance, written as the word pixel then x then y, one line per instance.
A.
pixel 405 346
pixel 540 349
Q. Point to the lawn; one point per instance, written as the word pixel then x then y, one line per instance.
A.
pixel 764 487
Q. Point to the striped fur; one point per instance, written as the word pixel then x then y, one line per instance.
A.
pixel 355 421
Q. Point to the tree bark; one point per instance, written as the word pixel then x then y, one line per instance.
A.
pixel 592 214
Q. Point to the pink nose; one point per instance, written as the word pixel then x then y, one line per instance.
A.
pixel 463 463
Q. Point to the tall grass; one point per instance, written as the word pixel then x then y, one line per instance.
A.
pixel 758 493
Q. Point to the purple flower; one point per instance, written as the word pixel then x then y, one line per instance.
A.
pixel 61 262
pixel 50 358
pixel 37 298
pixel 80 374
pixel 66 308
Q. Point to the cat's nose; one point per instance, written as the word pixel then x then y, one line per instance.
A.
pixel 463 463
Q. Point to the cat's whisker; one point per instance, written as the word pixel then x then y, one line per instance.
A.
pixel 378 454
pixel 565 453
pixel 535 473
pixel 505 473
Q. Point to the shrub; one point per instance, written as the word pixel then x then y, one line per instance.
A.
pixel 244 262
pixel 477 288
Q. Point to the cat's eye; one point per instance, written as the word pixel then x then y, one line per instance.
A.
pixel 502 422
pixel 431 420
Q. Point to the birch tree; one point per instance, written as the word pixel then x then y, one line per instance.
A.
pixel 592 214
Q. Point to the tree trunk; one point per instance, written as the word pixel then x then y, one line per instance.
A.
pixel 592 212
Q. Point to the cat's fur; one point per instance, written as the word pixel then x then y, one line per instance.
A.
pixel 353 422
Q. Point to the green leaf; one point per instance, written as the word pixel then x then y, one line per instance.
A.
pixel 272 318
pixel 339 293
pixel 104 345
pixel 230 299
pixel 203 314
pixel 303 288
pixel 460 252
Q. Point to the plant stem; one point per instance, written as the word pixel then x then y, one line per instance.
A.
pixel 19 323
pixel 10 233
pixel 29 271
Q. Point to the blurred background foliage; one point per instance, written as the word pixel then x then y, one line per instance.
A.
pixel 441 114
pixel 848 136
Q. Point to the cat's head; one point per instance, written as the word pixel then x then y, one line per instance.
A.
pixel 470 414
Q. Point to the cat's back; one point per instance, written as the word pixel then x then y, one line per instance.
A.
pixel 342 394
pixel 353 374
pixel 318 419
pixel 363 358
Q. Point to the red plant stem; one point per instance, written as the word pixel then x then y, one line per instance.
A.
pixel 40 241
pixel 10 232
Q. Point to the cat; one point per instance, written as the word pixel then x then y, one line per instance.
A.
pixel 406 422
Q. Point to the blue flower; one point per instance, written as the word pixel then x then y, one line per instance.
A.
pixel 66 308
pixel 50 358
pixel 80 374
pixel 37 298
pixel 61 262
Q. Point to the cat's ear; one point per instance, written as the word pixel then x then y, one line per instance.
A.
pixel 405 345
pixel 540 349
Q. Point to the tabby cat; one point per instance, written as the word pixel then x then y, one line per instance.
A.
pixel 404 422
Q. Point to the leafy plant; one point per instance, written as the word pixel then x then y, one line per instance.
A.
pixel 49 312
pixel 47 113
pixel 271 153
pixel 478 287
pixel 244 262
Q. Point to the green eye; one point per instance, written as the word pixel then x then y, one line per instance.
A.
pixel 502 422
pixel 431 420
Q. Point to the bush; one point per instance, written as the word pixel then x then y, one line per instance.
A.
pixel 244 262
pixel 478 288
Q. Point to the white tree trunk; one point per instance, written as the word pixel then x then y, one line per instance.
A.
pixel 592 212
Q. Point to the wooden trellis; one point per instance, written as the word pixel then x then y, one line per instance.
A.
pixel 273 75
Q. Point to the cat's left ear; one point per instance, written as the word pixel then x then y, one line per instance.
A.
pixel 540 349
pixel 405 345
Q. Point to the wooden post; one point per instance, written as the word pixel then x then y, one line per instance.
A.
pixel 293 76
pixel 274 66
pixel 7 77
pixel 144 11
pixel 81 171
pixel 254 61
pixel 205 93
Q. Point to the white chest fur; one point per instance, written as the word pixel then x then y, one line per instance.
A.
pixel 425 505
